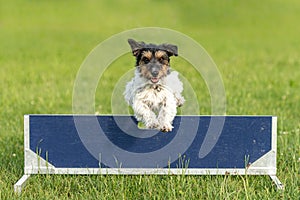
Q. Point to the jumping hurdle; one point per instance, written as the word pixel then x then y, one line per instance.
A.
pixel 109 144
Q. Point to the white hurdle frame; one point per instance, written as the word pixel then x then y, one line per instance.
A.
pixel 34 164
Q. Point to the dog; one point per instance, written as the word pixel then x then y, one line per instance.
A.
pixel 154 93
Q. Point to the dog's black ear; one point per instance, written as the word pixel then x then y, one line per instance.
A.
pixel 136 47
pixel 171 49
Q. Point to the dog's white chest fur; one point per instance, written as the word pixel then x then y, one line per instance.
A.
pixel 154 96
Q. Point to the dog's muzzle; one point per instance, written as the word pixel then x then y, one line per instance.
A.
pixel 154 73
pixel 154 78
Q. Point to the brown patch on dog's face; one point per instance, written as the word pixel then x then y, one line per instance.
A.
pixel 146 57
pixel 162 57
pixel 144 71
pixel 153 65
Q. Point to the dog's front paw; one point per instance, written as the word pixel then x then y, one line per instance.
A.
pixel 152 124
pixel 166 127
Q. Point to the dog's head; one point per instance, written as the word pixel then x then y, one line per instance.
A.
pixel 153 61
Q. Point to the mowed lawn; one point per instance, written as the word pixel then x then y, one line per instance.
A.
pixel 255 44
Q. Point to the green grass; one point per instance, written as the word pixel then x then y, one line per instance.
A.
pixel 255 44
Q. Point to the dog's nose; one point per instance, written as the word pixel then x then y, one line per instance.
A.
pixel 154 73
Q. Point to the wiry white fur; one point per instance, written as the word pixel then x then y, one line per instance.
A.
pixel 155 104
pixel 175 85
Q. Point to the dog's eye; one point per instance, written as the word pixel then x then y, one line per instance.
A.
pixel 161 60
pixel 146 60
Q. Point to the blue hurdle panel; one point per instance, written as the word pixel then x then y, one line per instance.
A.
pixel 54 146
